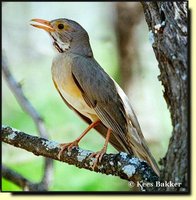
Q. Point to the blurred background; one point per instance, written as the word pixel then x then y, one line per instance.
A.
pixel 120 41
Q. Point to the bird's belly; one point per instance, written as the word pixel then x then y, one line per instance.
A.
pixel 65 84
pixel 75 99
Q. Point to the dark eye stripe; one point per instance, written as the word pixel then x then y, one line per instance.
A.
pixel 61 26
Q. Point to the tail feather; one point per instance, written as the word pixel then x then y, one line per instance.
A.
pixel 135 141
pixel 138 145
pixel 142 151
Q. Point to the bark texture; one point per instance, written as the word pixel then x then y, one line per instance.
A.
pixel 122 164
pixel 168 31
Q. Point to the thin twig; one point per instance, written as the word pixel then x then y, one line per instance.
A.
pixel 20 181
pixel 123 165
pixel 16 89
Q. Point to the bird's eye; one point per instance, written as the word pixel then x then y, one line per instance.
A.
pixel 61 26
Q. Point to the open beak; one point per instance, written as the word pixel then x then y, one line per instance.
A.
pixel 45 25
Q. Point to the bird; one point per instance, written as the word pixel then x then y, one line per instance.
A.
pixel 90 92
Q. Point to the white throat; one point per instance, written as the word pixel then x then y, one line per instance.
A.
pixel 59 45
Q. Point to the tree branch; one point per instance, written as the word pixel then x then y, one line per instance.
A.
pixel 26 105
pixel 123 165
pixel 19 180
pixel 168 28
pixel 131 13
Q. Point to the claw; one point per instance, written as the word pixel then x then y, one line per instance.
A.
pixel 68 146
pixel 75 142
pixel 98 155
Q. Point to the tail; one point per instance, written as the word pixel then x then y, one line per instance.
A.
pixel 135 142
pixel 132 146
pixel 142 151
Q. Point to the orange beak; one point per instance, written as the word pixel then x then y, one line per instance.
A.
pixel 45 25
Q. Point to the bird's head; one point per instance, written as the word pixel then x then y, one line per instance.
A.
pixel 67 35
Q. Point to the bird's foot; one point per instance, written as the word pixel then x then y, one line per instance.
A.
pixel 98 155
pixel 67 146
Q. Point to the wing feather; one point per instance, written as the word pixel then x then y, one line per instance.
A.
pixel 100 92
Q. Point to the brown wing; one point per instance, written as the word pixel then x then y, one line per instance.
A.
pixel 100 92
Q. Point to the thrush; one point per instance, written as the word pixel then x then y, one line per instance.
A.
pixel 89 91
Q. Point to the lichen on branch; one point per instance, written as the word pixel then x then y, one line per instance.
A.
pixel 122 164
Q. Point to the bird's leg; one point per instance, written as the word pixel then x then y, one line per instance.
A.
pixel 98 155
pixel 75 142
